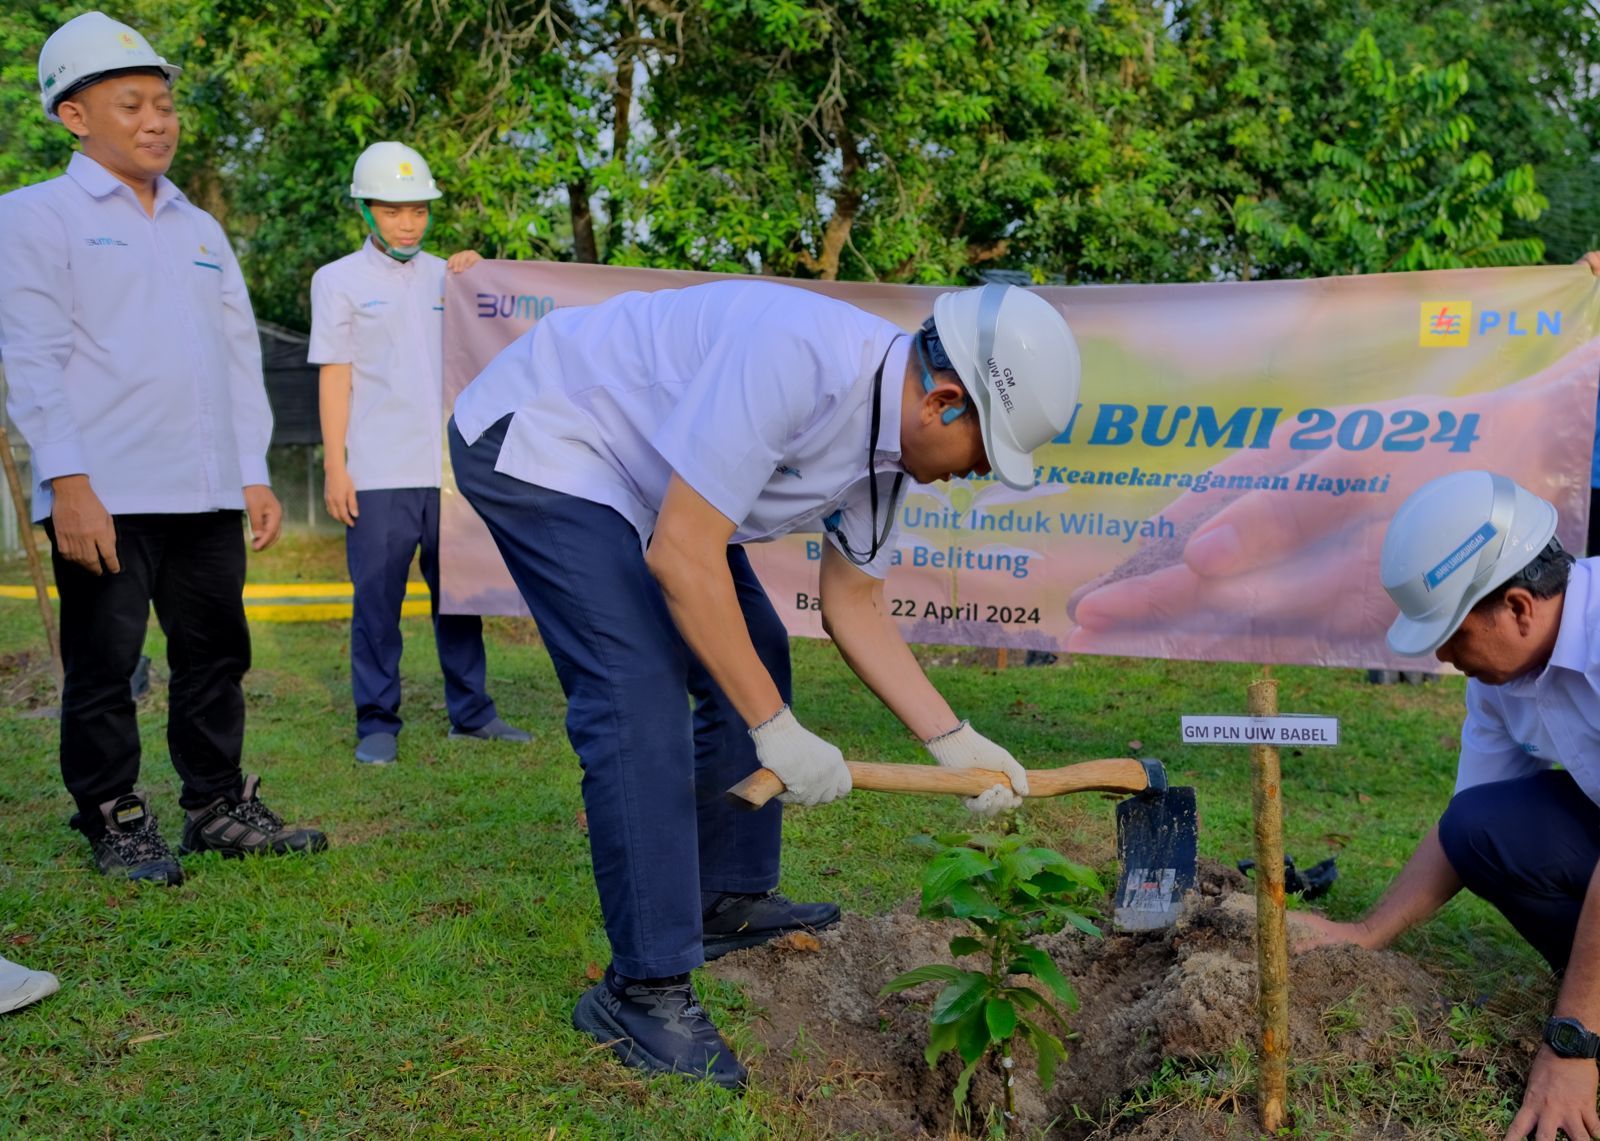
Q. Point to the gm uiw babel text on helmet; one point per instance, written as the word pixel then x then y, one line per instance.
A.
pixel 1019 362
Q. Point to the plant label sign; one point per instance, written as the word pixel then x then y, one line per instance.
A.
pixel 1297 730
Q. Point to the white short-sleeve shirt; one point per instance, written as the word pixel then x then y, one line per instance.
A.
pixel 130 350
pixel 1552 716
pixel 383 318
pixel 758 395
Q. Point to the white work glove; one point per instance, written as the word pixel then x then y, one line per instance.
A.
pixel 966 748
pixel 812 771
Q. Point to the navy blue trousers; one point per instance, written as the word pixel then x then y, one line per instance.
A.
pixel 391 526
pixel 654 772
pixel 1529 847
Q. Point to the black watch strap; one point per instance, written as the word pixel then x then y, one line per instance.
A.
pixel 1569 1038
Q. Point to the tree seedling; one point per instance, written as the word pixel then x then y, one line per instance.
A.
pixel 1009 894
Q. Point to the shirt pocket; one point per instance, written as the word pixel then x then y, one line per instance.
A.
pixel 372 333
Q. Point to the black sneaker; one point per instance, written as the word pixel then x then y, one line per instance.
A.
pixel 738 921
pixel 131 845
pixel 659 1029
pixel 246 827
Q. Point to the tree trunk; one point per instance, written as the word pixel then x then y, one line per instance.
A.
pixel 846 205
pixel 583 243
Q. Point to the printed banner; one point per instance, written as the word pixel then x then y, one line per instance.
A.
pixel 1222 491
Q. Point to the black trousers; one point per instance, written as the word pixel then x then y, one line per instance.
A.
pixel 192 568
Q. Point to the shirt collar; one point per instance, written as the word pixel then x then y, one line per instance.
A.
pixel 893 380
pixel 101 183
pixel 1571 651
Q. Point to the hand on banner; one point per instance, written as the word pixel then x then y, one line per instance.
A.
pixel 463 260
pixel 1273 565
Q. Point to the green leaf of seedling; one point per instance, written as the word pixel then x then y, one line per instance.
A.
pixel 951 869
pixel 1083 924
pixel 972 1036
pixel 960 1092
pixel 934 972
pixel 984 841
pixel 1002 1019
pixel 964 994
pixel 1035 962
pixel 941 1040
pixel 1047 1048
pixel 1022 997
pixel 967 945
pixel 1079 875
pixel 967 902
pixel 1025 864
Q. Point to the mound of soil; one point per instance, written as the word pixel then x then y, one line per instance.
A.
pixel 855 1060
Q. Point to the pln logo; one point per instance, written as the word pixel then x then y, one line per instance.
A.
pixel 1453 324
pixel 127 41
pixel 405 170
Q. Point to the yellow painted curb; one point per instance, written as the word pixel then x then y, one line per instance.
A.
pixel 289 601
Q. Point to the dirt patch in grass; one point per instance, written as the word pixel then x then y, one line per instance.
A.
pixel 27 681
pixel 854 1061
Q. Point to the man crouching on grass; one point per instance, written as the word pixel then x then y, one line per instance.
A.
pixel 1482 583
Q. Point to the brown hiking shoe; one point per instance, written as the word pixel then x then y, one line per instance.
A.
pixel 246 827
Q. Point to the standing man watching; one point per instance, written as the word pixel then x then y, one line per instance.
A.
pixel 620 454
pixel 377 319
pixel 135 376
pixel 1482 583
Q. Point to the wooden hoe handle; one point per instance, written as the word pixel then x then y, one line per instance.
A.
pixel 1122 774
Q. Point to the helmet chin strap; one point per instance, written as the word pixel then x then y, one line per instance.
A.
pixel 399 253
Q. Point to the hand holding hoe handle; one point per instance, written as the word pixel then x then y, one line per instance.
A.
pixel 1119 775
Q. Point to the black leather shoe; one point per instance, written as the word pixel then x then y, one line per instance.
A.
pixel 659 1029
pixel 737 921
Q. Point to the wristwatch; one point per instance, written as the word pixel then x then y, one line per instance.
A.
pixel 1569 1039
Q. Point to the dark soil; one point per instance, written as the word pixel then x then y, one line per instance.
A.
pixel 854 1061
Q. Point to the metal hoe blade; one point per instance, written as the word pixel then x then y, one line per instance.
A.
pixel 1157 837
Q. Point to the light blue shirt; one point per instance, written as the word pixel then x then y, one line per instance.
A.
pixel 130 350
pixel 384 319
pixel 1553 716
pixel 757 395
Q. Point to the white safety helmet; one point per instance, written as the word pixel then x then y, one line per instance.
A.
pixel 1453 541
pixel 392 172
pixel 1019 362
pixel 87 47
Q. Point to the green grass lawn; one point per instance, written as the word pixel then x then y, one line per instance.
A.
pixel 417 978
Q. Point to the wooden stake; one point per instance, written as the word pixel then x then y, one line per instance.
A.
pixel 25 531
pixel 1001 659
pixel 1272 948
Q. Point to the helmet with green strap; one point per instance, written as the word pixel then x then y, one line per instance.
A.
pixel 392 172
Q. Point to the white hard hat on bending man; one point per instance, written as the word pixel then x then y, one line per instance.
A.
pixel 1018 361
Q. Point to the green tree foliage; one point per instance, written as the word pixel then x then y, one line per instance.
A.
pixel 1397 187
pixel 894 140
